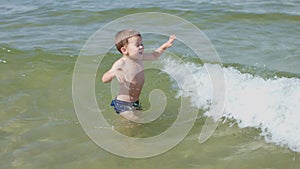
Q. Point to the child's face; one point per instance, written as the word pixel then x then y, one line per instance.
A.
pixel 135 47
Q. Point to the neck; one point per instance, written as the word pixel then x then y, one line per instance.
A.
pixel 131 58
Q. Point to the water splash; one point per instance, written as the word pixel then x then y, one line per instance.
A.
pixel 271 105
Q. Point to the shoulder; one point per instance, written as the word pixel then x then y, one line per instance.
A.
pixel 119 63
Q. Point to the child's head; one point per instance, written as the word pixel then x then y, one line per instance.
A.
pixel 121 38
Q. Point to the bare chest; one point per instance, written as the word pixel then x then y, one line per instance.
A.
pixel 135 74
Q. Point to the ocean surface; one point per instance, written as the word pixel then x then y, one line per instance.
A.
pixel 257 42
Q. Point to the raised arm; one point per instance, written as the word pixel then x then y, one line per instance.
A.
pixel 158 52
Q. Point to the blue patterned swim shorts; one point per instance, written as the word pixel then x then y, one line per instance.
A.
pixel 121 106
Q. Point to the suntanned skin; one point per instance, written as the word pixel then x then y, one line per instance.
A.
pixel 129 70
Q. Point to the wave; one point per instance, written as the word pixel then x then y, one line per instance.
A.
pixel 269 104
pixel 265 15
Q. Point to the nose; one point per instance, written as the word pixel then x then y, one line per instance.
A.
pixel 141 46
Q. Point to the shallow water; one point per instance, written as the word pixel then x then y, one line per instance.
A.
pixel 257 41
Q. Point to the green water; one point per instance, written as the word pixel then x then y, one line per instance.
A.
pixel 39 45
pixel 41 130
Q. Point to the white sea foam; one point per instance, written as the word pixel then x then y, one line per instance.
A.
pixel 272 105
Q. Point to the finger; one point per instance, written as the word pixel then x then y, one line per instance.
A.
pixel 172 37
pixel 119 77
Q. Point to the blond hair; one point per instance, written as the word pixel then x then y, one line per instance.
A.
pixel 121 38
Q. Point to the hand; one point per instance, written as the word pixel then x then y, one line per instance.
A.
pixel 169 43
pixel 121 77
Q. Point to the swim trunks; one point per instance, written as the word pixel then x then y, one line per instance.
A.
pixel 121 106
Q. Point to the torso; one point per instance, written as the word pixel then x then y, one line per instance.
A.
pixel 131 90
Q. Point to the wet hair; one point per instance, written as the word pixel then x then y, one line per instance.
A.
pixel 121 38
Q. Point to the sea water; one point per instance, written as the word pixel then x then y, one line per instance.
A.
pixel 257 41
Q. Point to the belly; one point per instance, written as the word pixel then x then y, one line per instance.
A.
pixel 136 86
pixel 132 89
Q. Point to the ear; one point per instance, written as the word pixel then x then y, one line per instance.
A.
pixel 124 50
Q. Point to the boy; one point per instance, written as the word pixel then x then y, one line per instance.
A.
pixel 129 71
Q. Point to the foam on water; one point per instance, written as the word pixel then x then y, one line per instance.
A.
pixel 271 105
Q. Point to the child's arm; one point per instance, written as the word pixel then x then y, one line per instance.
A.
pixel 108 76
pixel 115 71
pixel 158 52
